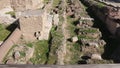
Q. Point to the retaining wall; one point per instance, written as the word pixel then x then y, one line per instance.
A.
pixel 12 40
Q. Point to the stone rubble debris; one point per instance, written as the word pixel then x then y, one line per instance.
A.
pixel 16 55
pixel 6 18
pixel 10 61
pixel 74 39
pixel 96 57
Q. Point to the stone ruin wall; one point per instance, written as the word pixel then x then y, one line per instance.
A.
pixel 11 41
pixel 106 15
pixel 30 25
pixel 21 5
pixel 35 24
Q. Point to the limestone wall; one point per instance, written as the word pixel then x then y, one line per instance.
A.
pixel 30 25
pixel 12 40
pixel 21 5
pixel 35 24
pixel 47 25
pixel 30 22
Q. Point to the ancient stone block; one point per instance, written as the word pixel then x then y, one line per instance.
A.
pixel 21 5
pixel 75 39
pixel 4 3
pixel 47 25
pixel 96 56
pixel 35 24
pixel 30 22
pixel 16 55
pixel 56 19
pixel 10 61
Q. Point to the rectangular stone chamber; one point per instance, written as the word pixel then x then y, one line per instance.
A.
pixel 35 24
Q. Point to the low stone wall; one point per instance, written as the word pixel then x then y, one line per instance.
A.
pixel 12 40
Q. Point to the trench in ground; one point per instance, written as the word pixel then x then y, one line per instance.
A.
pixel 111 43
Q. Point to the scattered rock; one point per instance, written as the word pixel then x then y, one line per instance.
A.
pixel 29 53
pixel 89 49
pixel 93 35
pixel 96 57
pixel 16 55
pixel 102 42
pixel 20 62
pixel 86 18
pixel 93 44
pixel 74 39
pixel 10 61
pixel 6 18
pixel 29 62
pixel 56 19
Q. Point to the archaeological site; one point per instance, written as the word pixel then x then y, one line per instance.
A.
pixel 59 32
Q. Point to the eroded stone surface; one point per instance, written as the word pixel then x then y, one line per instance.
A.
pixel 96 56
pixel 35 22
pixel 16 55
pixel 21 5
pixel 6 18
pixel 74 39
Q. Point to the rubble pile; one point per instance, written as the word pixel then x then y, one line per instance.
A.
pixel 19 55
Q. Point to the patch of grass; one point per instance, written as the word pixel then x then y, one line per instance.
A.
pixel 56 3
pixel 84 37
pixel 71 26
pixel 100 5
pixel 57 38
pixel 102 62
pixel 52 59
pixel 46 1
pixel 61 18
pixel 12 13
pixel 75 53
pixel 29 45
pixel 76 46
pixel 22 54
pixel 41 48
pixel 81 36
pixel 89 30
pixel 3 32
